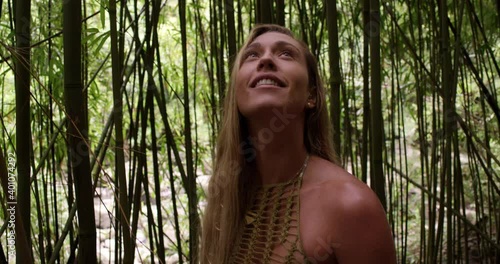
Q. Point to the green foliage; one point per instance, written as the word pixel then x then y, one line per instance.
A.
pixel 412 101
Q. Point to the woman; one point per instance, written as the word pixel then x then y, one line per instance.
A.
pixel 277 194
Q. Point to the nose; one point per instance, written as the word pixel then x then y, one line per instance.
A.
pixel 266 62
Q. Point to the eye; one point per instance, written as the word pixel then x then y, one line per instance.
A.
pixel 286 53
pixel 250 55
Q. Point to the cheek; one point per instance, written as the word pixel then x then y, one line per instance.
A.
pixel 240 86
pixel 302 83
pixel 299 76
pixel 300 93
pixel 305 78
pixel 241 96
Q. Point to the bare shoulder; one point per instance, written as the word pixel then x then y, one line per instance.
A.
pixel 351 214
pixel 338 187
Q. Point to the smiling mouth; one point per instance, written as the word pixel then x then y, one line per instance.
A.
pixel 267 82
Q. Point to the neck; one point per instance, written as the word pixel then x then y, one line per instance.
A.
pixel 279 150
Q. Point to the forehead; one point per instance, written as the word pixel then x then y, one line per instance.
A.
pixel 273 38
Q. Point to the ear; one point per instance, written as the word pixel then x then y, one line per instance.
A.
pixel 311 103
pixel 311 100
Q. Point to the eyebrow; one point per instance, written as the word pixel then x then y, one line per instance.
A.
pixel 279 43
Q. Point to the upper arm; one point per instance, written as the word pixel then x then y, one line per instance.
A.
pixel 363 233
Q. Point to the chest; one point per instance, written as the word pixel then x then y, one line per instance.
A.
pixel 285 225
pixel 316 229
pixel 271 231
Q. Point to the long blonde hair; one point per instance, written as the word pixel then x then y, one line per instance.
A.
pixel 230 184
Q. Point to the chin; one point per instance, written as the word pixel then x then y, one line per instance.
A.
pixel 259 110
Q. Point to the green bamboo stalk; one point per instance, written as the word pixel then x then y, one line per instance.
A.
pixel 23 125
pixel 376 129
pixel 123 208
pixel 335 74
pixel 194 221
pixel 78 146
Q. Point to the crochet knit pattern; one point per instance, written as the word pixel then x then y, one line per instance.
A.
pixel 271 231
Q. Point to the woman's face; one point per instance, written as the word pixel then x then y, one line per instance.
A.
pixel 272 75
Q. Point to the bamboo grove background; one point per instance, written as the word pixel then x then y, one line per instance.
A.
pixel 115 106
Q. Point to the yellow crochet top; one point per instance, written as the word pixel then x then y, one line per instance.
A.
pixel 271 230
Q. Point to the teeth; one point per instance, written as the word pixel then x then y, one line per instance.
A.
pixel 266 82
